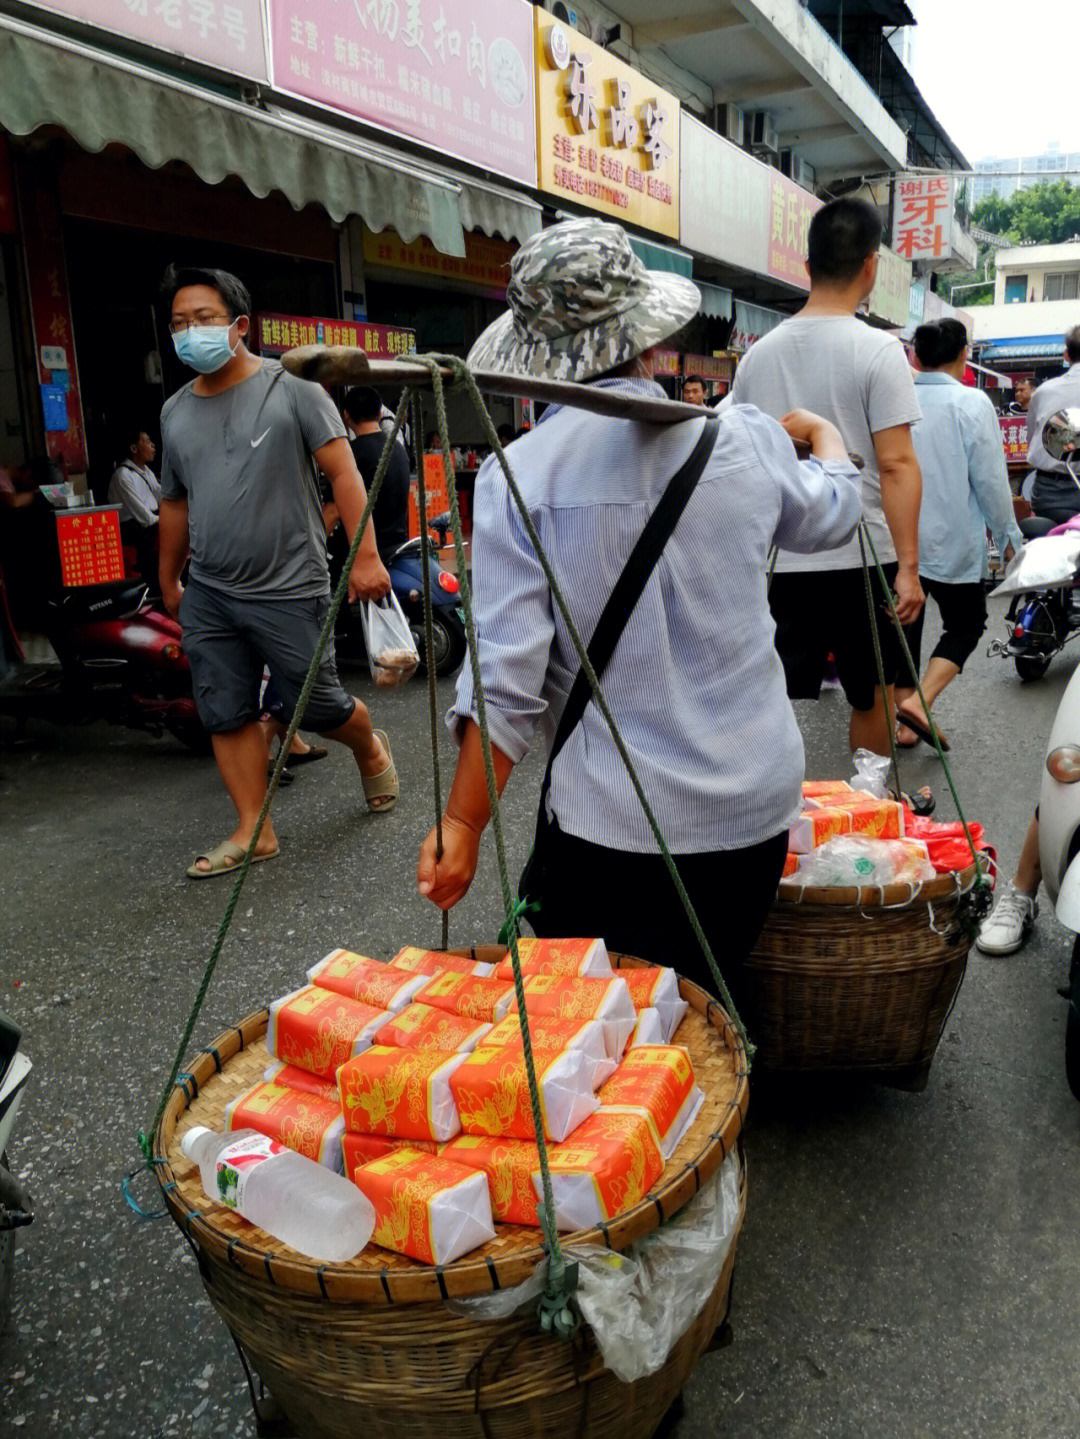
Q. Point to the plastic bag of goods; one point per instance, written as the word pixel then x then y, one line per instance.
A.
pixel 319 1029
pixel 360 1149
pixel 435 961
pixel 648 1030
pixel 554 1034
pixel 426 1206
pixel 291 1076
pixel 491 1091
pixel 854 860
pixel 392 651
pixel 400 1093
pixel 422 1026
pixel 1048 560
pixel 470 995
pixel 509 1165
pixel 657 1082
pixel 566 997
pixel 871 772
pixel 654 987
pixel 308 1124
pixel 558 956
pixel 607 1166
pixel 366 980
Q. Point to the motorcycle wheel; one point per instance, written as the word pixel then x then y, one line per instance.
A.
pixel 190 733
pixel 7 1262
pixel 448 642
pixel 1033 667
pixel 1072 1024
pixel 1029 668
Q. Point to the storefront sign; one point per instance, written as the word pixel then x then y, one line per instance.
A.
pixel 608 138
pixel 1014 437
pixel 916 303
pixel 923 217
pixel 228 34
pixel 791 208
pixel 486 262
pixel 666 362
pixel 277 333
pixel 725 199
pixel 709 367
pixel 90 549
pixel 890 297
pixel 436 493
pixel 454 75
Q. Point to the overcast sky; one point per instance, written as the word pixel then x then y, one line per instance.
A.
pixel 996 73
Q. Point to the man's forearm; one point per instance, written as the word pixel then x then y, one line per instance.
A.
pixel 350 497
pixel 901 496
pixel 172 541
pixel 468 800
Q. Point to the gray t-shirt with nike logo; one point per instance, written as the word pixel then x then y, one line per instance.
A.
pixel 242 460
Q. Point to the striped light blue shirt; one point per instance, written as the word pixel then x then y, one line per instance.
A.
pixel 695 683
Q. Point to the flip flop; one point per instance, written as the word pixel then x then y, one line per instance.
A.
pixel 223 852
pixel 922 729
pixel 918 802
pixel 383 785
pixel 316 751
pixel 906 743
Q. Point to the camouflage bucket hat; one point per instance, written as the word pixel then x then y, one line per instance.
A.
pixel 581 302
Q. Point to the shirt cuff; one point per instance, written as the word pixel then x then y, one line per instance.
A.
pixel 505 733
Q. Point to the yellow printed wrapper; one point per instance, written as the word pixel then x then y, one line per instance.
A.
pixel 657 1081
pixel 563 997
pixel 426 1206
pixel 555 1034
pixel 318 1029
pixel 305 1122
pixel 558 956
pixel 820 788
pixel 815 826
pixel 400 1093
pixel 435 961
pixel 366 980
pixel 509 1165
pixel 422 1026
pixel 471 995
pixel 491 1091
pixel 657 988
pixel 360 1149
pixel 606 1167
pixel 291 1076
pixel 877 819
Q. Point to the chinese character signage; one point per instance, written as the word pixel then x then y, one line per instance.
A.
pixel 436 491
pixel 452 74
pixel 486 262
pixel 1014 437
pixel 708 367
pixel 275 334
pixel 608 138
pixel 226 33
pixel 666 362
pixel 90 548
pixel 923 217
pixel 890 299
pixel 791 208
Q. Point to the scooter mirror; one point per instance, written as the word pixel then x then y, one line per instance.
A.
pixel 1061 434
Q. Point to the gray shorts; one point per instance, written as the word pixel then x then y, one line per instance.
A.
pixel 228 641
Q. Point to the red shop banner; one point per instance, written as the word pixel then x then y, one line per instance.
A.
pixel 274 334
pixel 791 209
pixel 666 362
pixel 708 367
pixel 1014 437
pixel 90 547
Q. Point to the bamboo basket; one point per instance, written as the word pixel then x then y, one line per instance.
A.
pixel 858 979
pixel 370 1348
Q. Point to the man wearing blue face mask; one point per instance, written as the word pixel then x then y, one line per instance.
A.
pixel 241 446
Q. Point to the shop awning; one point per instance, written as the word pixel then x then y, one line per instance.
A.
pixel 662 257
pixel 715 300
pixel 751 322
pixel 101 99
pixel 496 211
pixel 1037 347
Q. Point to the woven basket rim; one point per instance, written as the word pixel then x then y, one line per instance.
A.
pixel 890 896
pixel 467 1276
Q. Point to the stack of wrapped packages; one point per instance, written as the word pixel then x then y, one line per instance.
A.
pixel 410 1077
pixel 850 837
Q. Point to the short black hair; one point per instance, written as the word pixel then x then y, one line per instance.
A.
pixel 1072 344
pixel 234 293
pixel 505 434
pixel 939 343
pixel 131 434
pixel 693 380
pixel 842 235
pixel 362 404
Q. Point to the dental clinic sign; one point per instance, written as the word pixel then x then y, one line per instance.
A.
pixel 923 210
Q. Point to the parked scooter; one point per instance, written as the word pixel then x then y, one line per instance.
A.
pixel 119 658
pixel 15 1207
pixel 1044 613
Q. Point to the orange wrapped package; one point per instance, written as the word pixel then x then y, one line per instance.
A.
pixel 471 995
pixel 310 1125
pixel 291 1076
pixel 820 788
pixel 791 864
pixel 492 1093
pixel 509 1165
pixel 426 1206
pixel 564 997
pixel 877 818
pixel 606 1167
pixel 657 1081
pixel 554 1034
pixel 656 987
pixel 435 961
pixel 558 956
pixel 815 827
pixel 318 1030
pixel 400 1093
pixel 648 1030
pixel 360 1149
pixel 367 980
pixel 422 1026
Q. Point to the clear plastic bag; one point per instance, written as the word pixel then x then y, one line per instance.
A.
pixel 871 773
pixel 392 652
pixel 853 859
pixel 640 1304
pixel 1043 562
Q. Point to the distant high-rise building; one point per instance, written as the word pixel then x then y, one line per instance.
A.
pixel 1019 172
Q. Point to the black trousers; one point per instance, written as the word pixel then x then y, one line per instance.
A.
pixel 630 901
pixel 963 619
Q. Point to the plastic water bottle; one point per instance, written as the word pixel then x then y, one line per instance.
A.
pixel 305 1205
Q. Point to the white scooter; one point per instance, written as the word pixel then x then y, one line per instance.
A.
pixel 1059 801
pixel 15 1208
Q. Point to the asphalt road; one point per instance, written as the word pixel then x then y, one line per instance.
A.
pixel 909 1263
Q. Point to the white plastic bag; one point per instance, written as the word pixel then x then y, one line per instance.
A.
pixel 392 652
pixel 856 860
pixel 1043 562
pixel 871 773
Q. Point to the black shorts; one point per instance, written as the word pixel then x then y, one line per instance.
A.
pixel 228 641
pixel 823 612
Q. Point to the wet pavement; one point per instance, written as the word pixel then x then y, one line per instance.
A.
pixel 909 1263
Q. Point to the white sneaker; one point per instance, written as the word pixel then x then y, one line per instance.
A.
pixel 1009 922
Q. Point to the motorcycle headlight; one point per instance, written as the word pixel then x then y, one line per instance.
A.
pixel 1064 763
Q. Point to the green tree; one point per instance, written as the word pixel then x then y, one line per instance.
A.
pixel 1046 214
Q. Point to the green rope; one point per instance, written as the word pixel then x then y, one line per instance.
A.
pixel 145 1137
pixel 880 661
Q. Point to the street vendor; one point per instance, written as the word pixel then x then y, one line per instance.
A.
pixel 694 682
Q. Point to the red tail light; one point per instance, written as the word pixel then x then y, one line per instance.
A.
pixel 171 652
pixel 1018 632
pixel 448 582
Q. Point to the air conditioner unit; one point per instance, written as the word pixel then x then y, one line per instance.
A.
pixel 763 133
pixel 796 168
pixel 568 15
pixel 730 121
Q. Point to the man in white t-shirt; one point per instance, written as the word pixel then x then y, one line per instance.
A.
pixel 827 360
pixel 134 487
